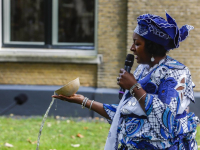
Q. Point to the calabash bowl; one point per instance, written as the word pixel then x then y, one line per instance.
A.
pixel 70 88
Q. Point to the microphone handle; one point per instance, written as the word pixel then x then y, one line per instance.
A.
pixel 127 68
pixel 121 90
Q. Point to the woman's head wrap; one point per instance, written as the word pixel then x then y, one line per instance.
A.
pixel 160 31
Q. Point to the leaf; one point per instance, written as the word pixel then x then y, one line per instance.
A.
pixel 32 142
pixel 73 137
pixel 102 119
pixel 29 141
pixel 57 117
pixel 96 118
pixel 48 124
pixel 75 145
pixel 85 128
pixel 8 145
pixel 79 135
pixel 61 135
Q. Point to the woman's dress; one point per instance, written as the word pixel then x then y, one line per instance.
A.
pixel 165 124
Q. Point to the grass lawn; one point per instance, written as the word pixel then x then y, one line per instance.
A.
pixel 57 134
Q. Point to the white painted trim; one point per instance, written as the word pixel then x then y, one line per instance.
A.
pixel 54 21
pixel 46 55
pixel 197 94
pixel 24 43
pixel 6 22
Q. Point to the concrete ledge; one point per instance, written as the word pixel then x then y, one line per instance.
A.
pixel 50 55
pixel 39 98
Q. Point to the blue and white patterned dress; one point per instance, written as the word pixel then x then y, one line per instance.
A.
pixel 165 124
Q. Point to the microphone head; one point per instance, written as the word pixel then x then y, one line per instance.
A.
pixel 20 99
pixel 129 60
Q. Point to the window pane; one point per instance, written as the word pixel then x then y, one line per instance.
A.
pixel 76 21
pixel 27 20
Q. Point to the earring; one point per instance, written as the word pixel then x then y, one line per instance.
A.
pixel 152 59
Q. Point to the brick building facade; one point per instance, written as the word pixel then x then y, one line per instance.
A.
pixel 116 21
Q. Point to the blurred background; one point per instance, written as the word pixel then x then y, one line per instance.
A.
pixel 44 44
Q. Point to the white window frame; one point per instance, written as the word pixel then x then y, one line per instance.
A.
pixel 6 24
pixel 51 55
pixel 55 27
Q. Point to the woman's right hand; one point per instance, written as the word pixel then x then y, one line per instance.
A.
pixel 76 98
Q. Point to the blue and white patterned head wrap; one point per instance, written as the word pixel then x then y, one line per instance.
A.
pixel 160 31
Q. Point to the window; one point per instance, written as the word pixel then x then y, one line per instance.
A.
pixel 49 23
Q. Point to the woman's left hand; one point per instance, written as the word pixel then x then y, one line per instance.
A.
pixel 126 80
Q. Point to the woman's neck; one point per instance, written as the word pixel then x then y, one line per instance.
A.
pixel 156 61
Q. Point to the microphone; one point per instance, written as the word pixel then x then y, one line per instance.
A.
pixel 20 99
pixel 128 64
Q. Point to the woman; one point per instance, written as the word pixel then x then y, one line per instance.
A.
pixel 151 114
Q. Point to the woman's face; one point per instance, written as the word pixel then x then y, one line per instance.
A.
pixel 138 49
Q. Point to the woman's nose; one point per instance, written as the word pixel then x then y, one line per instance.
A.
pixel 132 48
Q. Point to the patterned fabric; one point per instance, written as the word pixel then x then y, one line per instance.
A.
pixel 158 30
pixel 165 123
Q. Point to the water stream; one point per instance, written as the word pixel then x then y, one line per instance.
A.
pixel 42 124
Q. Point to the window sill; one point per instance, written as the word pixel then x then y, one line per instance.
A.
pixel 49 56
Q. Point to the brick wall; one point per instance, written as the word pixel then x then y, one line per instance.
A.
pixel 47 74
pixel 184 12
pixel 112 29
